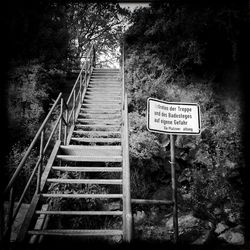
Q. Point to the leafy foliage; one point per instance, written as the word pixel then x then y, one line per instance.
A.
pixel 101 23
pixel 27 92
pixel 37 30
pixel 189 37
pixel 170 56
pixel 12 161
pixel 174 52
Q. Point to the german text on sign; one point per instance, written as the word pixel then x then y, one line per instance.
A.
pixel 173 117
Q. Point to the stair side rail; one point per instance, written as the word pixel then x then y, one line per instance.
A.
pixel 127 216
pixel 78 91
pixel 42 144
pixel 62 124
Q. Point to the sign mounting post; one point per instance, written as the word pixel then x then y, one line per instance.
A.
pixel 173 118
pixel 174 189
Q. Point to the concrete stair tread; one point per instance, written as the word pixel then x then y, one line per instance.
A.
pixel 91 94
pixel 90 158
pixel 99 121
pixel 97 133
pixel 101 104
pixel 99 116
pixel 79 212
pixel 116 102
pixel 88 169
pixel 101 109
pixel 85 181
pixel 83 196
pixel 96 140
pixel 85 151
pixel 104 99
pixel 106 92
pixel 75 232
pixel 100 127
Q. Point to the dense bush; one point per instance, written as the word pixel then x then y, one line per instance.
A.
pixel 29 97
pixel 144 154
pixel 208 165
pixel 28 89
pixel 13 159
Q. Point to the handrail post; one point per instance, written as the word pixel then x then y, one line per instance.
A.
pixel 2 216
pixel 10 214
pixel 39 172
pixel 86 73
pixel 94 56
pixel 80 88
pixel 66 126
pixel 74 104
pixel 60 123
pixel 174 190
pixel 20 166
pixel 127 216
pixel 126 173
pixel 123 74
pixel 41 135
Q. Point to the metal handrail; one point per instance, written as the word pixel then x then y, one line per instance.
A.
pixel 20 166
pixel 60 121
pixel 77 79
pixel 76 95
pixel 12 213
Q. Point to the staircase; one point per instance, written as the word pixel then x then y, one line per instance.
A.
pixel 83 189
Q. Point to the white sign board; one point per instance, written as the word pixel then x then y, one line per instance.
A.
pixel 173 117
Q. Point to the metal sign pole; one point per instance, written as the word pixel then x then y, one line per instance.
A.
pixel 173 118
pixel 174 190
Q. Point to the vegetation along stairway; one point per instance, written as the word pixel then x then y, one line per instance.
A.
pixel 82 186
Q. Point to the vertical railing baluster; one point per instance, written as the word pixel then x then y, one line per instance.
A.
pixel 74 104
pixel 86 74
pixel 7 218
pixel 80 88
pixel 2 222
pixel 39 171
pixel 60 122
pixel 66 126
pixel 94 57
pixel 127 216
pixel 10 214
pixel 86 77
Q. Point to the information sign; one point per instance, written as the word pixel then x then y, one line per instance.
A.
pixel 173 117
